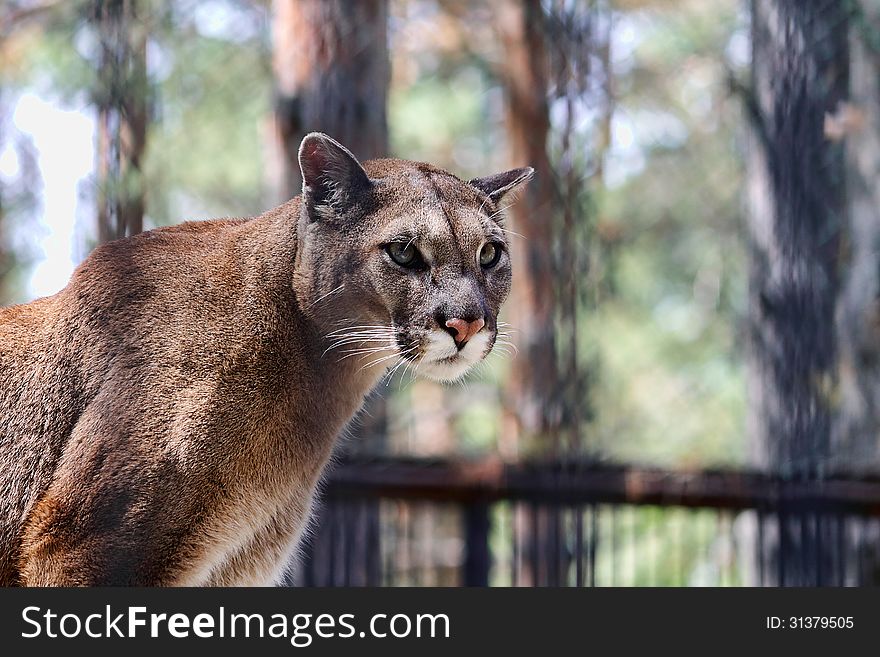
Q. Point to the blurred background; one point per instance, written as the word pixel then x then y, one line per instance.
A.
pixel 693 395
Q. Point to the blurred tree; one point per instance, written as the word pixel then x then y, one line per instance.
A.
pixel 532 405
pixel 800 75
pixel 797 215
pixel 331 70
pixel 121 97
pixel 856 447
pixel 331 74
pixel 858 122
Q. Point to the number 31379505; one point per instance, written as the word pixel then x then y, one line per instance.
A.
pixel 820 622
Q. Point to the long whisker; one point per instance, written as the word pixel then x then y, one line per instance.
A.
pixel 390 374
pixel 357 341
pixel 414 371
pixel 382 359
pixel 335 290
pixel 364 351
pixel 348 329
pixel 504 338
pixel 378 360
pixel 360 334
pixel 502 210
pixel 364 333
pixel 510 231
pixel 390 371
pixel 502 348
pixel 384 339
pixel 361 351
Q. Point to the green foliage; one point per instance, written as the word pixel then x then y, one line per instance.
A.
pixel 671 386
pixel 443 119
pixel 209 99
pixel 205 149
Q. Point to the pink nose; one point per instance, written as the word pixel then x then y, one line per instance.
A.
pixel 464 331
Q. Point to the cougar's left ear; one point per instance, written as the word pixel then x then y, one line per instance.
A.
pixel 332 176
pixel 498 185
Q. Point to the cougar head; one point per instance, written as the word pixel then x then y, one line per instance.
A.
pixel 401 263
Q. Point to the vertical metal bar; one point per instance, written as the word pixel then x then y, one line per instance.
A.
pixel 391 539
pixel 730 545
pixel 553 548
pixel 476 530
pixel 373 543
pixel 579 546
pixel 858 543
pixel 323 544
pixel 408 569
pixel 678 515
pixel 358 566
pixel 330 540
pixel 337 576
pixel 564 542
pixel 418 554
pixel 428 540
pixel 759 556
pixel 710 519
pixel 350 543
pixel 614 546
pixel 633 545
pixel 805 554
pixel 594 539
pixel 722 552
pixel 516 552
pixel 534 546
pixel 874 573
pixel 783 547
pixel 395 531
pixel 651 534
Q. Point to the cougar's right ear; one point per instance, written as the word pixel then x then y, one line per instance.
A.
pixel 499 185
pixel 332 176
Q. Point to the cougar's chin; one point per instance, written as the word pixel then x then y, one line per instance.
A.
pixel 443 361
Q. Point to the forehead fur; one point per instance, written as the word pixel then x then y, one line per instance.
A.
pixel 426 180
pixel 431 201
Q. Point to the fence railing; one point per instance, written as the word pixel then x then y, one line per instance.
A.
pixel 418 522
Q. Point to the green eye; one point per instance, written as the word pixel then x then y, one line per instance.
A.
pixel 404 254
pixel 489 255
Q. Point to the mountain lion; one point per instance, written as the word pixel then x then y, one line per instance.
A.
pixel 165 418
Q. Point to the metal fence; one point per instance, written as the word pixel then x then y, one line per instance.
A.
pixel 397 522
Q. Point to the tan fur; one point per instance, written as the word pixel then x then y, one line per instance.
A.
pixel 165 418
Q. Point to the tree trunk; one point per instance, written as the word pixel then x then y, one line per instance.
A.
pixel 122 101
pixel 856 446
pixel 331 75
pixel 531 407
pixel 797 215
